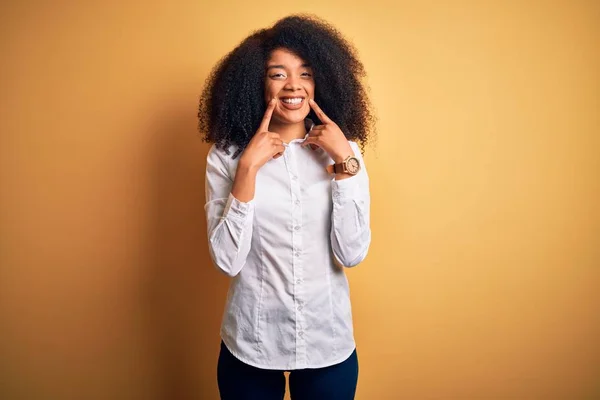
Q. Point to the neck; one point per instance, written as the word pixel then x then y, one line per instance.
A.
pixel 288 132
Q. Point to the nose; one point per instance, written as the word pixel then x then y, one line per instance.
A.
pixel 293 84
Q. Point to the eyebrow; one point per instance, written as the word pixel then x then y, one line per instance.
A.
pixel 283 67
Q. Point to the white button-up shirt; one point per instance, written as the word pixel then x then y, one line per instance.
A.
pixel 288 305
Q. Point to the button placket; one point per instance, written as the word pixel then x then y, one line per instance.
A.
pixel 297 267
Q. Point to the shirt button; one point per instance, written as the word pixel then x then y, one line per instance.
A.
pixel 294 177
pixel 300 333
pixel 298 281
pixel 297 254
pixel 299 308
pixel 297 202
pixel 297 227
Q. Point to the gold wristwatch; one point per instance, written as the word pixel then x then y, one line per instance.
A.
pixel 351 165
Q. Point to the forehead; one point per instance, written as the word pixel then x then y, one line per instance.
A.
pixel 286 58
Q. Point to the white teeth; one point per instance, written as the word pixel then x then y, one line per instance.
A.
pixel 292 101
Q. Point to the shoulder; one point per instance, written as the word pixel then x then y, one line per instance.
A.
pixel 223 155
pixel 221 160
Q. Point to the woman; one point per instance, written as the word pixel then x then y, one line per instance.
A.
pixel 287 207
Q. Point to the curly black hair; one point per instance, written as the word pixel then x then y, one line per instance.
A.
pixel 232 106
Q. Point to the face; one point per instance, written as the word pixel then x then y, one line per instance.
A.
pixel 290 79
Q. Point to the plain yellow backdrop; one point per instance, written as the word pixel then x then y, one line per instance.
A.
pixel 483 278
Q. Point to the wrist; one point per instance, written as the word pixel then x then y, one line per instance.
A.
pixel 244 183
pixel 346 165
pixel 247 166
pixel 340 156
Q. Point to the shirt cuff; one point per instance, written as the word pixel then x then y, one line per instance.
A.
pixel 237 209
pixel 344 189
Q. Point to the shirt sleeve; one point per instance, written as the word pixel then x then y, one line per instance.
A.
pixel 229 221
pixel 350 227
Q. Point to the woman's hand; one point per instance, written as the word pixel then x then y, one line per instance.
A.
pixel 328 136
pixel 264 145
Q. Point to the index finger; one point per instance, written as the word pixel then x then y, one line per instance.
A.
pixel 324 118
pixel 264 124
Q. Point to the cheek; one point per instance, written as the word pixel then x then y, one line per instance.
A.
pixel 271 89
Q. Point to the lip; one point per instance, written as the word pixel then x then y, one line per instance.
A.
pixel 292 106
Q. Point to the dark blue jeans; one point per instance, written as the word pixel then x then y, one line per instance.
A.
pixel 240 381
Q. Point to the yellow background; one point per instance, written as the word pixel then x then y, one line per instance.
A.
pixel 483 277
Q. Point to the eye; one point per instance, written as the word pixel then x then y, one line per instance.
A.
pixel 306 74
pixel 278 75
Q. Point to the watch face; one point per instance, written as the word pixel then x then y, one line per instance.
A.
pixel 353 165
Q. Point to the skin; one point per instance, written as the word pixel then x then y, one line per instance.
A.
pixel 287 75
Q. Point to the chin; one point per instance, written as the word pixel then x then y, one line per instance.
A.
pixel 292 118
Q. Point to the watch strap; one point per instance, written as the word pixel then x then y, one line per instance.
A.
pixel 335 168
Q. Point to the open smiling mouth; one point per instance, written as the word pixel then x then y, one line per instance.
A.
pixel 292 103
